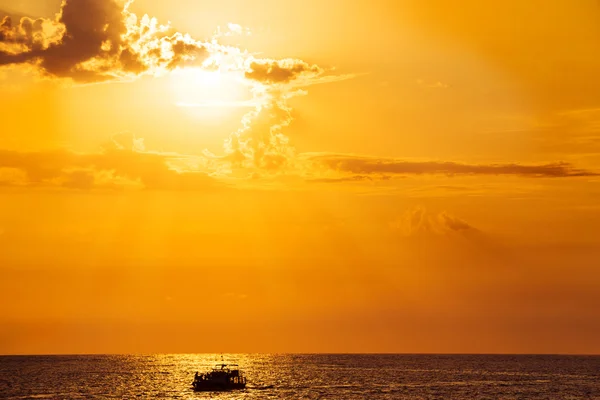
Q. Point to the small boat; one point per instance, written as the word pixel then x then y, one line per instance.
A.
pixel 222 377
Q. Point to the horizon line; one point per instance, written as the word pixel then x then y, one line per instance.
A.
pixel 301 353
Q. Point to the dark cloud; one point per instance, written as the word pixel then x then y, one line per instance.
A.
pixel 366 166
pixel 95 40
pixel 92 29
pixel 282 71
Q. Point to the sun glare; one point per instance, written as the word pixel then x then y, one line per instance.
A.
pixel 195 87
pixel 208 79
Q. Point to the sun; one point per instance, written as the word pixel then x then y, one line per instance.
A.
pixel 206 79
pixel 197 87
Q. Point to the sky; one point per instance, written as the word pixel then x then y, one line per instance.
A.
pixel 273 176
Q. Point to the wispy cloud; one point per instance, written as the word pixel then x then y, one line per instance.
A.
pixel 122 164
pixel 362 165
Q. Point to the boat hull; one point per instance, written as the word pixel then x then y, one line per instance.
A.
pixel 216 387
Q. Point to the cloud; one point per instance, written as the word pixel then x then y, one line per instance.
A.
pixel 96 40
pixel 260 142
pixel 420 222
pixel 125 163
pixel 116 167
pixel 352 164
pixel 281 71
pixel 29 33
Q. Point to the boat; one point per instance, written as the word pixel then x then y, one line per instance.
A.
pixel 222 377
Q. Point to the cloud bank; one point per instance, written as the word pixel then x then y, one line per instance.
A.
pixel 125 163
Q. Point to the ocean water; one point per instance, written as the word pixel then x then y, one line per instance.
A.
pixel 304 377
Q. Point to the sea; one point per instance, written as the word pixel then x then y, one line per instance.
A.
pixel 304 376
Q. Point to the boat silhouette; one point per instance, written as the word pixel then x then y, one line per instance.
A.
pixel 222 377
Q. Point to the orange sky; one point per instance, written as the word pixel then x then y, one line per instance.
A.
pixel 269 176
